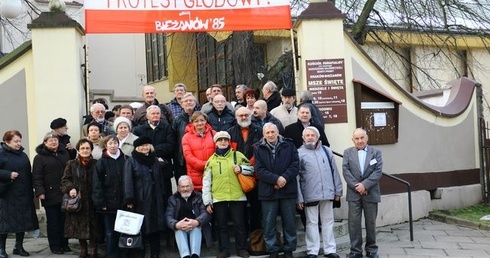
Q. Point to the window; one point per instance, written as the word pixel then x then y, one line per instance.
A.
pixel 156 57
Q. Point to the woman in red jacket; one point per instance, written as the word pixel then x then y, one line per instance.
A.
pixel 197 146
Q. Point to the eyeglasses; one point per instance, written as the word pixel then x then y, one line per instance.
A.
pixel 185 186
pixel 223 139
pixel 243 115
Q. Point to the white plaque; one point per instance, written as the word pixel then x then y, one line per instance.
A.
pixel 379 119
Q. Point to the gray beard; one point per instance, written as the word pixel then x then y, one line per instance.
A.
pixel 245 124
pixel 310 145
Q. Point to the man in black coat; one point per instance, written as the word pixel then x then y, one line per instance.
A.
pixel 220 117
pixel 277 165
pixel 295 130
pixel 271 95
pixel 189 105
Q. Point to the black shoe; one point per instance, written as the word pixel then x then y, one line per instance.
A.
pixel 194 256
pixel 19 250
pixel 353 255
pixel 288 254
pixel 57 251
pixel 223 254
pixel 372 255
pixel 332 255
pixel 274 255
pixel 311 256
pixel 66 249
pixel 3 254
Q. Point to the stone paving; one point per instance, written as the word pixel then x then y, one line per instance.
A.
pixel 431 239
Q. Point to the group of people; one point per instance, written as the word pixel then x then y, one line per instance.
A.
pixel 127 162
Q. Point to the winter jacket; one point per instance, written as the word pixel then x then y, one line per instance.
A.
pixel 295 132
pixel 286 117
pixel 245 147
pixel 47 170
pixel 144 188
pixel 107 183
pixel 140 113
pixel 268 118
pixel 64 140
pixel 179 128
pixel 17 211
pixel 198 208
pixel 223 121
pixel 81 224
pixel 127 146
pixel 316 182
pixel 220 183
pixel 273 101
pixel 269 167
pixel 197 149
pixel 162 138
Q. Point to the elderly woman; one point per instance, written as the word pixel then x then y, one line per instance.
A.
pixel 122 127
pixel 17 211
pixel 223 195
pixel 47 170
pixel 77 179
pixel 144 192
pixel 108 192
pixel 251 96
pixel 95 137
pixel 197 146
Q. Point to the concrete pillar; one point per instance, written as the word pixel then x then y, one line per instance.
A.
pixel 58 88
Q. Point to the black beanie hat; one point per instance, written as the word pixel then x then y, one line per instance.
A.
pixel 142 140
pixel 58 123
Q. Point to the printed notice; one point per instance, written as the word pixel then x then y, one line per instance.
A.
pixel 325 79
pixel 379 119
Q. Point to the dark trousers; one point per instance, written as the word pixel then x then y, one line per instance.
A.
pixel 111 236
pixel 254 218
pixel 55 225
pixel 235 210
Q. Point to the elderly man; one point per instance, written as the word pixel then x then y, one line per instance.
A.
pixel 149 95
pixel 295 130
pixel 220 116
pixel 161 134
pixel 271 95
pixel 97 111
pixel 243 137
pixel 188 102
pixel 262 116
pixel 240 96
pixel 215 90
pixel 362 169
pixel 175 104
pixel 60 129
pixel 318 184
pixel 277 166
pixel 186 215
pixel 286 112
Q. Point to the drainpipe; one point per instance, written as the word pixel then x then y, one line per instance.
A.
pixel 481 133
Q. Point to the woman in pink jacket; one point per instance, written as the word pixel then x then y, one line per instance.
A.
pixel 197 146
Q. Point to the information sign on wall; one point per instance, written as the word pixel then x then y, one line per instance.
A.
pixel 325 79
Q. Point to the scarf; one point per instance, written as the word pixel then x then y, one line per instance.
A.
pixel 222 152
pixel 84 161
pixel 147 160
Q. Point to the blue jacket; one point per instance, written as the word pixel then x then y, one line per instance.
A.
pixel 269 169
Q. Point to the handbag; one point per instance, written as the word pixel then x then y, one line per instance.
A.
pixel 130 241
pixel 71 205
pixel 246 182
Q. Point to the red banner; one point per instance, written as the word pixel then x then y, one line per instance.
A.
pixel 152 16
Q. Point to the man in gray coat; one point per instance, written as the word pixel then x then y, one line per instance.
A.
pixel 318 185
pixel 362 168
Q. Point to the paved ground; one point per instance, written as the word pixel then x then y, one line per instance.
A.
pixel 431 239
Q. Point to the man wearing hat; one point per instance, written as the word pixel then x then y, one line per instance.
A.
pixel 286 112
pixel 59 128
